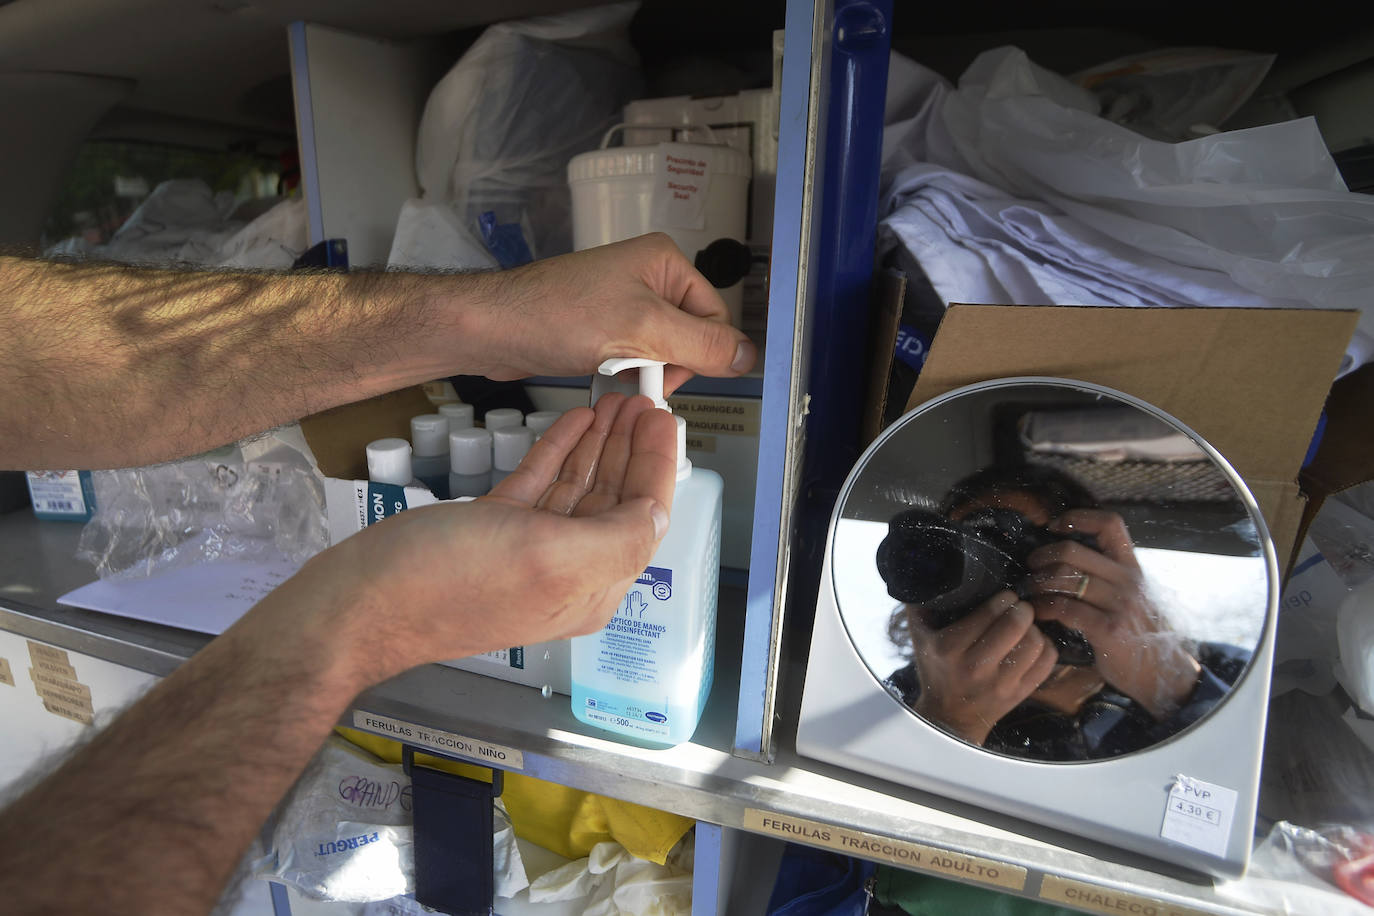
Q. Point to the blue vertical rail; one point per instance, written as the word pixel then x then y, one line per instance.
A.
pixel 830 135
pixel 789 285
pixel 861 44
pixel 305 129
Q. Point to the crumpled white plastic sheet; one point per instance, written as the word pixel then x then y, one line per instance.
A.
pixel 345 831
pixel 272 241
pixel 1176 93
pixel 431 235
pixel 615 883
pixel 1279 882
pixel 184 222
pixel 1011 189
pixel 258 501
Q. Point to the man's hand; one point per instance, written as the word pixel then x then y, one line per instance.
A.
pixel 1101 593
pixel 979 668
pixel 637 298
pixel 204 358
pixel 546 555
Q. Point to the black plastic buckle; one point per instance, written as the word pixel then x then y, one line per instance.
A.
pixel 331 254
pixel 453 838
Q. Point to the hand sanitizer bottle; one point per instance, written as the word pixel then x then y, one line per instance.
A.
pixel 648 673
pixel 429 452
pixel 469 452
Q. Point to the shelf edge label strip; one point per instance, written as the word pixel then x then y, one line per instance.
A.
pixel 1098 899
pixel 446 743
pixel 881 848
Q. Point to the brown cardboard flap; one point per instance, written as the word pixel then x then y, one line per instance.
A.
pixel 1249 381
pixel 339 436
pixel 1346 455
pixel 889 289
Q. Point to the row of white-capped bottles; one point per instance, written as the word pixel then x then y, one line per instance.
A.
pixel 452 456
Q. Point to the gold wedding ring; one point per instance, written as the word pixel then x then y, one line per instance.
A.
pixel 1083 580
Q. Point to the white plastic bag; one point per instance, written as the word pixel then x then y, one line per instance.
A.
pixel 273 240
pixel 1176 93
pixel 182 221
pixel 345 831
pixel 498 130
pixel 430 235
pixel 1262 211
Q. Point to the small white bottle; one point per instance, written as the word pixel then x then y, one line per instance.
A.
pixel 509 446
pixel 648 673
pixel 500 417
pixel 469 452
pixel 429 452
pixel 460 416
pixel 388 461
pixel 541 420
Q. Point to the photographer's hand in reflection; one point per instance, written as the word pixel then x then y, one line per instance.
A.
pixel 1101 594
pixel 979 668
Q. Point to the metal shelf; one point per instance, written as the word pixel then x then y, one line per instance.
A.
pixel 791 798
pixel 746 386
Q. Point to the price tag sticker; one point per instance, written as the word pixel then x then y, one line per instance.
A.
pixel 1198 815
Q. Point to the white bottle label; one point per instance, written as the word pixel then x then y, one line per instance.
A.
pixel 628 654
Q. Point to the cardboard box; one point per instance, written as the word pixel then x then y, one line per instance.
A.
pixel 339 436
pixel 1251 382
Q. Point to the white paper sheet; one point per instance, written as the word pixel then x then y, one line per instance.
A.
pixel 206 598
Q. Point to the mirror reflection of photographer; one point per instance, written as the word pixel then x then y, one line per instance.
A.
pixel 1029 626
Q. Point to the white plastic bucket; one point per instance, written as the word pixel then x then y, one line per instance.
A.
pixel 697 193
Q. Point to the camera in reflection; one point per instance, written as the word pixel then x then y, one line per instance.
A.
pixel 947 568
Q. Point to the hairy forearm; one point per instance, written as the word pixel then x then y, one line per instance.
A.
pixel 106 365
pixel 161 806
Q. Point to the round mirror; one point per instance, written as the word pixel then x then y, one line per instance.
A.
pixel 1050 570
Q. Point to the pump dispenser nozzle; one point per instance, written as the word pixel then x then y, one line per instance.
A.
pixel 651 386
